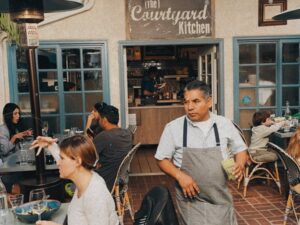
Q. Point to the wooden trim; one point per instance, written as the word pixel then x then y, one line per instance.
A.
pixel 262 4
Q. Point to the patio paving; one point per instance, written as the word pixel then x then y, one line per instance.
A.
pixel 262 206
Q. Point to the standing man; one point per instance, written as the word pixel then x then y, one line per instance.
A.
pixel 191 149
pixel 112 144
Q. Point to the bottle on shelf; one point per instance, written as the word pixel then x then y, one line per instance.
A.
pixel 287 113
pixel 3 198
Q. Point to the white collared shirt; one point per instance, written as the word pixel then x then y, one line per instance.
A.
pixel 171 141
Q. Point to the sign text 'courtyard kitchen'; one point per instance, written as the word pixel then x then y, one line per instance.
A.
pixel 159 19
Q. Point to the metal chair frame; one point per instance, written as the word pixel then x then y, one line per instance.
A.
pixel 120 188
pixel 260 172
pixel 293 173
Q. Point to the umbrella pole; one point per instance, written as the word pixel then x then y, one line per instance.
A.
pixel 35 109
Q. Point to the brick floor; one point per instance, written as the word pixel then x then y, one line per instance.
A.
pixel 262 206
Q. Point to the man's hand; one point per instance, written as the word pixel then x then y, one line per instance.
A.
pixel 189 186
pixel 239 166
pixel 238 171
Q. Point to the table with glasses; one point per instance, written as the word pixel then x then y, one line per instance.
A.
pixel 12 163
pixel 58 217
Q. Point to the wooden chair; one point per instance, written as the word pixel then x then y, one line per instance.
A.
pixel 293 175
pixel 120 188
pixel 258 170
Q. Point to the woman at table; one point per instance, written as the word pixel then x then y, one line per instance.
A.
pixel 10 130
pixel 76 157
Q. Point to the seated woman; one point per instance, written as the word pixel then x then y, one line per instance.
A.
pixel 263 126
pixel 293 148
pixel 76 157
pixel 10 131
pixel 9 135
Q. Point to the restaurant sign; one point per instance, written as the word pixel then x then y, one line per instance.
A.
pixel 159 19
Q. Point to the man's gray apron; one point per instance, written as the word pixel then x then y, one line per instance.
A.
pixel 213 206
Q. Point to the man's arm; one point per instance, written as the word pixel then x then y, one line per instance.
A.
pixel 240 162
pixel 186 182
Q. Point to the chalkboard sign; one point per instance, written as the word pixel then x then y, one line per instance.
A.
pixel 169 19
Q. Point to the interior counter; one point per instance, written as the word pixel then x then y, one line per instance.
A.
pixel 152 119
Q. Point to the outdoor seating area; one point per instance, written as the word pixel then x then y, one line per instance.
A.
pixel 167 112
pixel 263 204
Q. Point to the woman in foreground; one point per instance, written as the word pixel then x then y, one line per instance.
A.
pixel 76 157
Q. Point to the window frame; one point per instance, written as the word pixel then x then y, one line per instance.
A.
pixel 59 46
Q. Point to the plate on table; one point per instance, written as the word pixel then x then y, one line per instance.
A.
pixel 25 214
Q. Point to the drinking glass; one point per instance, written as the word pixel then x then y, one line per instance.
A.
pixel 38 196
pixel 3 209
pixel 15 201
pixel 23 157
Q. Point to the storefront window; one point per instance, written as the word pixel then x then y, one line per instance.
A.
pixel 268 76
pixel 70 82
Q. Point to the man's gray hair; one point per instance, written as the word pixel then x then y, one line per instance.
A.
pixel 198 85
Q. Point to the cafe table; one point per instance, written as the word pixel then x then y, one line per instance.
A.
pixel 281 138
pixel 50 181
pixel 11 164
pixel 57 217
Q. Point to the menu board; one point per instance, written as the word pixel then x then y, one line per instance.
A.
pixel 169 19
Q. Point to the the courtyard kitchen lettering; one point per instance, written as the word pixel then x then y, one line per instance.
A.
pixel 189 22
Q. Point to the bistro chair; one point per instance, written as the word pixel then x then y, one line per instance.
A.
pixel 157 208
pixel 120 188
pixel 132 129
pixel 293 176
pixel 258 170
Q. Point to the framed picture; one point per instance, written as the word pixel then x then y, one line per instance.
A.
pixel 269 8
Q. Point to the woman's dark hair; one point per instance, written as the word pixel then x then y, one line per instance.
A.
pixel 110 112
pixel 8 116
pixel 260 117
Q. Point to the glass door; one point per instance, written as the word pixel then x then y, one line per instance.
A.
pixel 207 71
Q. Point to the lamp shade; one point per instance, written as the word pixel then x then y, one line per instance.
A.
pixel 288 15
pixel 49 6
pixel 32 11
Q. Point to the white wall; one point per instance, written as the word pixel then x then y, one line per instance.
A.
pixel 107 21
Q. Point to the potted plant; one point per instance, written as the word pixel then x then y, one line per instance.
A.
pixel 9 27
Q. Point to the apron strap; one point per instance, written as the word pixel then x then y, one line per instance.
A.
pixel 216 134
pixel 184 144
pixel 184 133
